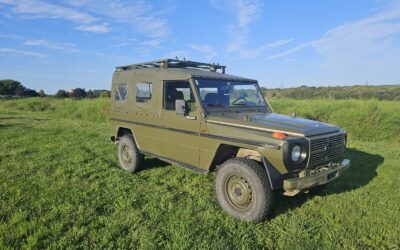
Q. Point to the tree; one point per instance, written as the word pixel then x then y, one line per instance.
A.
pixel 105 93
pixel 90 94
pixel 30 93
pixel 20 90
pixel 42 93
pixel 9 87
pixel 61 94
pixel 78 93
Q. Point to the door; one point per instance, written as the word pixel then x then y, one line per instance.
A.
pixel 180 133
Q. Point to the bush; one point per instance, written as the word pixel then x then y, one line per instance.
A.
pixel 10 87
pixel 78 93
pixel 61 94
pixel 104 94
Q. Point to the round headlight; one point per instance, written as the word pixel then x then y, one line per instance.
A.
pixel 296 153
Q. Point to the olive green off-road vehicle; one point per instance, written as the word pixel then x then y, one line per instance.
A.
pixel 194 115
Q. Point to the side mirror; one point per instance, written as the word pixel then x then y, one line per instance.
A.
pixel 180 107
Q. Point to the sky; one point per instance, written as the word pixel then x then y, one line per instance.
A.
pixel 64 44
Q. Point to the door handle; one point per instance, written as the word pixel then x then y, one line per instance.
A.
pixel 190 117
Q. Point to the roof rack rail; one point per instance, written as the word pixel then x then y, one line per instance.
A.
pixel 174 63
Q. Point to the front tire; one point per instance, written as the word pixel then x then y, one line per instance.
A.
pixel 130 158
pixel 243 190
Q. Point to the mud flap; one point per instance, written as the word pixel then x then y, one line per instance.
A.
pixel 274 177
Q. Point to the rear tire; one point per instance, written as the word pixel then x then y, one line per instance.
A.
pixel 243 190
pixel 130 158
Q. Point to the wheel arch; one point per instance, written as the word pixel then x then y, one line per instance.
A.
pixel 225 152
pixel 121 131
pixel 228 151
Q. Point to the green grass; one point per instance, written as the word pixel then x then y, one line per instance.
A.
pixel 60 186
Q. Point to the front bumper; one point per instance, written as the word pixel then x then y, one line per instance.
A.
pixel 296 185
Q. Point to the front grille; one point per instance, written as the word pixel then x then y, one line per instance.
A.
pixel 325 150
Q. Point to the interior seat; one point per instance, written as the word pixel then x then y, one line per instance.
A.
pixel 211 98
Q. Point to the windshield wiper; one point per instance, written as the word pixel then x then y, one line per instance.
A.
pixel 215 105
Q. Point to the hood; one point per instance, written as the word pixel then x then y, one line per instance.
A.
pixel 284 122
pixel 276 122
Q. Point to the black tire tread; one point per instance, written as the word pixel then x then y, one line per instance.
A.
pixel 261 174
pixel 138 156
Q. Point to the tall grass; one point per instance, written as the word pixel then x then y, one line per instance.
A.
pixel 366 120
pixel 86 109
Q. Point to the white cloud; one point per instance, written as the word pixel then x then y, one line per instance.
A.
pixel 362 50
pixel 249 53
pixel 357 42
pixel 22 52
pixel 155 43
pixel 46 10
pixel 208 51
pixel 46 44
pixel 246 12
pixel 237 43
pixel 139 14
pixel 97 28
pixel 366 37
pixel 279 43
pixel 41 9
pixel 289 51
pixel 11 36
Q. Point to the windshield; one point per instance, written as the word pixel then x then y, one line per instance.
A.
pixel 228 94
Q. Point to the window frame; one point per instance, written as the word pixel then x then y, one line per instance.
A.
pixel 164 101
pixel 143 99
pixel 117 91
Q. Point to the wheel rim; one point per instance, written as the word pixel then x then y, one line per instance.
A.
pixel 238 191
pixel 126 154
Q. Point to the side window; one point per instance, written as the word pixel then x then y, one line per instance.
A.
pixel 179 90
pixel 143 92
pixel 205 91
pixel 121 92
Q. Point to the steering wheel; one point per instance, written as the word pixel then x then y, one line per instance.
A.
pixel 238 99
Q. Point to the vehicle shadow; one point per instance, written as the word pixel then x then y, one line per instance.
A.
pixel 362 171
pixel 5 125
pixel 152 163
pixel 23 118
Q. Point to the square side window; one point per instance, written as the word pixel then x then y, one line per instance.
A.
pixel 121 92
pixel 143 92
pixel 177 90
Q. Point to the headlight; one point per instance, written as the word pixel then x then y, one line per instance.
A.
pixel 296 153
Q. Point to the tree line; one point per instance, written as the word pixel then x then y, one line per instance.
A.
pixel 382 92
pixel 9 88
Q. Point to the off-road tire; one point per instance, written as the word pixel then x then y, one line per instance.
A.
pixel 255 176
pixel 130 158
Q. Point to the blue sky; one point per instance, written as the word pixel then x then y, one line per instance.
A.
pixel 55 45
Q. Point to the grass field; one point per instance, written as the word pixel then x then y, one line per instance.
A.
pixel 60 186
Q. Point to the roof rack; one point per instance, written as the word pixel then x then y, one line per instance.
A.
pixel 174 63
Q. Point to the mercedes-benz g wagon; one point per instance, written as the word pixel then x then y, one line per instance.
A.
pixel 193 115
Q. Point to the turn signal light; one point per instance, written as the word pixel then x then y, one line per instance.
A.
pixel 279 135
